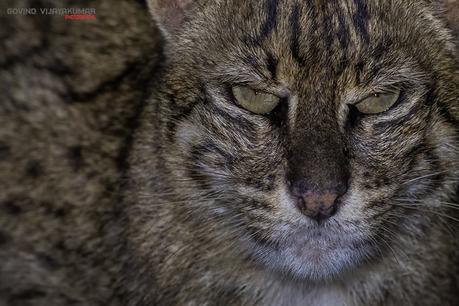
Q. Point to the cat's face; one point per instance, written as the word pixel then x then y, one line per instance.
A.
pixel 318 185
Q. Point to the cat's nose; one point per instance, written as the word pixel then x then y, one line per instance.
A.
pixel 317 203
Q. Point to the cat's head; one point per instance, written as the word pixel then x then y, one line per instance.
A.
pixel 317 133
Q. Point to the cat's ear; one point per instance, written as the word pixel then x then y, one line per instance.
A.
pixel 170 14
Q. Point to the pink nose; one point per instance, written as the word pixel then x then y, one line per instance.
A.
pixel 318 205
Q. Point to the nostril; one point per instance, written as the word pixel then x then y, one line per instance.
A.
pixel 301 204
pixel 328 211
pixel 339 199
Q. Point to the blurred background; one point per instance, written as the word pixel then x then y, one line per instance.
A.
pixel 71 91
pixel 70 94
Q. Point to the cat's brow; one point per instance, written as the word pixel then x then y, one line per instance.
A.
pixel 398 74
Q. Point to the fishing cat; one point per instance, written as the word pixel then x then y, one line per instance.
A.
pixel 297 153
pixel 291 153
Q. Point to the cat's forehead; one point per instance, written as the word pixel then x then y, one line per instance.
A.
pixel 350 22
pixel 300 38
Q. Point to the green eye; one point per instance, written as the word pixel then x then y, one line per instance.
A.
pixel 256 102
pixel 378 103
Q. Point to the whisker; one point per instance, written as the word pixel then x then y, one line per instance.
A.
pixel 424 177
pixel 428 211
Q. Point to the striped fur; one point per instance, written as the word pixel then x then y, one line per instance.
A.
pixel 209 220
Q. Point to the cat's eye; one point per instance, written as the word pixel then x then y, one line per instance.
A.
pixel 255 101
pixel 377 103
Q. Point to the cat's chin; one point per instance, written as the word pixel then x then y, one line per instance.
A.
pixel 314 257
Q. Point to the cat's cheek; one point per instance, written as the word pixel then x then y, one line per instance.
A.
pixel 366 197
pixel 187 135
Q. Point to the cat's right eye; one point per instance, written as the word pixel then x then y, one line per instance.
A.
pixel 257 102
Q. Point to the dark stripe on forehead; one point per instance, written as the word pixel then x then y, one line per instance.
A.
pixel 313 37
pixel 360 19
pixel 271 63
pixel 295 28
pixel 343 38
pixel 342 32
pixel 327 28
pixel 270 23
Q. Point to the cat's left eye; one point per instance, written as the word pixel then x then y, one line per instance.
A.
pixel 377 103
pixel 255 101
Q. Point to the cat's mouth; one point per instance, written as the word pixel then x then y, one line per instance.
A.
pixel 317 254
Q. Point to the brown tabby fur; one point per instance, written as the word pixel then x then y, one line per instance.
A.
pixel 204 216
